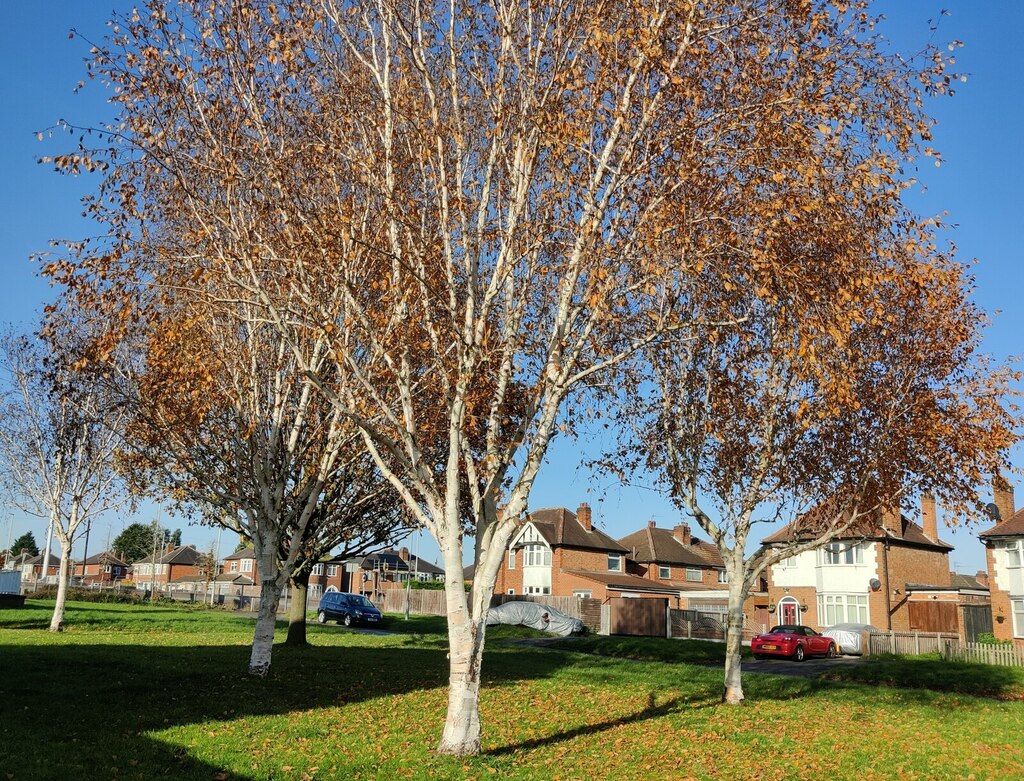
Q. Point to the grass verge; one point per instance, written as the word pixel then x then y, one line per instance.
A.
pixel 152 692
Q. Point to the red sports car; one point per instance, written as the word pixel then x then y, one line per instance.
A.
pixel 794 641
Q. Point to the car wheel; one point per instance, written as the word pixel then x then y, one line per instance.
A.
pixel 321 617
pixel 833 652
pixel 348 620
pixel 798 654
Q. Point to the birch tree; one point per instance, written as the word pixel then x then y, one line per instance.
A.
pixel 828 428
pixel 57 441
pixel 477 210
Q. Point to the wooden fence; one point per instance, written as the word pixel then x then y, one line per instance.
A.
pixel 983 653
pixel 907 643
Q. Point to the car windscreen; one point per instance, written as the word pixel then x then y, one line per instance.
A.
pixel 359 601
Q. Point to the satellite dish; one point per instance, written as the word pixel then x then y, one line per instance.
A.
pixel 992 509
pixel 875 584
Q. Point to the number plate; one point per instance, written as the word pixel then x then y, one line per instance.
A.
pixel 770 647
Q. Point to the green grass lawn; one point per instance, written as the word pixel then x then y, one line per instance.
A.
pixel 140 692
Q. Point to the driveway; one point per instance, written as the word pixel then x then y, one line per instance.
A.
pixel 808 668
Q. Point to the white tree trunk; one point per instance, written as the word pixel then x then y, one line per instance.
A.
pixel 266 621
pixel 732 693
pixel 56 623
pixel 461 734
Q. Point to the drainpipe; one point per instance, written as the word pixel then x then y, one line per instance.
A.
pixel 888 591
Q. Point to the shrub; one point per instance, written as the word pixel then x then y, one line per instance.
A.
pixel 109 596
pixel 987 638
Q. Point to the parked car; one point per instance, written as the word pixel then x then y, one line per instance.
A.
pixel 347 609
pixel 848 636
pixel 793 641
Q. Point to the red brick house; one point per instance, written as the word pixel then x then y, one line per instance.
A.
pixel 676 559
pixel 32 569
pixel 558 552
pixel 102 568
pixel 385 570
pixel 888 571
pixel 1004 555
pixel 172 565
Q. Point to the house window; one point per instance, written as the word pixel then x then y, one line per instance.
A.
pixel 318 570
pixel 106 568
pixel 332 570
pixel 511 559
pixel 546 590
pixel 1018 617
pixel 583 594
pixel 536 555
pixel 723 577
pixel 693 575
pixel 1014 553
pixel 614 562
pixel 838 553
pixel 665 573
pixel 842 609
pixel 247 565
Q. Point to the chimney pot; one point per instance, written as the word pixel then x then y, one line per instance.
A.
pixel 583 515
pixel 403 553
pixel 982 577
pixel 652 525
pixel 929 518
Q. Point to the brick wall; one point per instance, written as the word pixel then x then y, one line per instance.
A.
pixel 1003 630
pixel 906 565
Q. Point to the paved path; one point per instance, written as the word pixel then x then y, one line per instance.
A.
pixel 809 668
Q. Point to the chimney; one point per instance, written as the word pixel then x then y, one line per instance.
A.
pixel 403 553
pixel 652 525
pixel 682 533
pixel 892 521
pixel 982 577
pixel 584 517
pixel 929 521
pixel 1002 495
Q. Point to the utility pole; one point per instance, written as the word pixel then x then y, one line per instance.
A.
pixel 85 553
pixel 152 584
pixel 10 533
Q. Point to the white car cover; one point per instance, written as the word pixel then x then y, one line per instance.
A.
pixel 848 636
pixel 535 616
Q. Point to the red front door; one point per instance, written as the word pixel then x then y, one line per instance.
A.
pixel 789 613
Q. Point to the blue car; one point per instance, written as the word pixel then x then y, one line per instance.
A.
pixel 348 609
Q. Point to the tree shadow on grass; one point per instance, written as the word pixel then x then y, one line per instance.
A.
pixel 928 676
pixel 90 710
pixel 651 711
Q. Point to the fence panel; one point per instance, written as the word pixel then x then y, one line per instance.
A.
pixel 933 616
pixel 977 621
pixel 640 617
pixel 978 653
pixel 907 643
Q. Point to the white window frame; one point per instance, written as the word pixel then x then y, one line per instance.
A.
pixel 332 570
pixel 234 566
pixel 614 562
pixel 317 571
pixel 1014 553
pixel 583 594
pixel 247 565
pixel 694 575
pixel 664 573
pixel 843 609
pixel 836 554
pixel 723 576
pixel 511 558
pixel 1017 611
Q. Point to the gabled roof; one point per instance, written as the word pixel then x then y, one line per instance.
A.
pixel 659 546
pixel 808 526
pixel 1011 527
pixel 390 559
pixel 54 561
pixel 622 582
pixel 245 553
pixel 183 554
pixel 560 527
pixel 105 557
pixel 969 582
pixel 22 558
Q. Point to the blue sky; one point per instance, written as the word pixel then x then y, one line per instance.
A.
pixel 978 184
